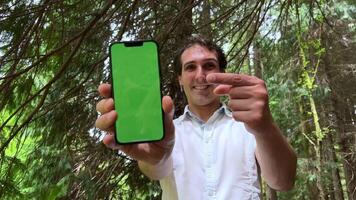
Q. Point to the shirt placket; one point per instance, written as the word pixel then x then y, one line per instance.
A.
pixel 210 187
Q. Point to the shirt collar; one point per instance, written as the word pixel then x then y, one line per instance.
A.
pixel 223 109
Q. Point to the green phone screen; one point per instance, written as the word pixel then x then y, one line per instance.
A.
pixel 136 91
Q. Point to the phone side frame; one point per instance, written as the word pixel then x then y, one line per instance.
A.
pixel 160 85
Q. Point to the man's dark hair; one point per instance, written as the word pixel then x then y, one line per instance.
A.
pixel 197 39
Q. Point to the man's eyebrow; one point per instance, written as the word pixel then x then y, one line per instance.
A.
pixel 205 60
pixel 210 59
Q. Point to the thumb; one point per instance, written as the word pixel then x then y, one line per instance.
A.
pixel 222 89
pixel 168 108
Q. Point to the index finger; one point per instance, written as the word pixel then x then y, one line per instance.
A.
pixel 231 79
pixel 105 90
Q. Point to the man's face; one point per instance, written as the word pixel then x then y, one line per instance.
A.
pixel 197 63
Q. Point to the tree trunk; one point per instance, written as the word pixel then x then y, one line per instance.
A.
pixel 257 60
pixel 307 78
pixel 308 148
pixel 337 188
pixel 258 70
pixel 205 20
pixel 342 113
pixel 319 184
pixel 171 39
pixel 185 28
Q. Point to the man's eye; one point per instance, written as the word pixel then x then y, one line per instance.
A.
pixel 189 67
pixel 210 65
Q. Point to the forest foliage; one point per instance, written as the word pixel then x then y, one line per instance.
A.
pixel 54 54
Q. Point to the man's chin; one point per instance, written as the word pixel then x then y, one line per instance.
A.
pixel 205 102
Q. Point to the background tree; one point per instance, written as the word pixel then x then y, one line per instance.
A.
pixel 54 54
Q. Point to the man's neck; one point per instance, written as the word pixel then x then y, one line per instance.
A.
pixel 206 111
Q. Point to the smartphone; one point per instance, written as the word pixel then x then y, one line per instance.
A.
pixel 136 89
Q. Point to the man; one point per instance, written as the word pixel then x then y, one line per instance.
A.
pixel 210 152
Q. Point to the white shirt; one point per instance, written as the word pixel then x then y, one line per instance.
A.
pixel 212 160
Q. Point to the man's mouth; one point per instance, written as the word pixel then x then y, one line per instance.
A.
pixel 201 87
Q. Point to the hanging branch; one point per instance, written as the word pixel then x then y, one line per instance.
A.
pixel 56 76
pixel 224 16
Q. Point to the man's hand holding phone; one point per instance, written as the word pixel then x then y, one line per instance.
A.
pixel 152 152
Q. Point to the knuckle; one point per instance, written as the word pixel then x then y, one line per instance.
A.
pixel 108 117
pixel 257 117
pixel 262 93
pixel 110 104
pixel 233 91
pixel 261 82
pixel 260 105
pixel 236 79
pixel 99 105
pixel 229 103
pixel 105 105
pixel 98 123
pixel 232 105
pixel 105 121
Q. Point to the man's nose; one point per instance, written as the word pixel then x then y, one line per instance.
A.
pixel 200 74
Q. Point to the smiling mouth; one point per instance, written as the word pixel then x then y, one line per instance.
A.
pixel 202 87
